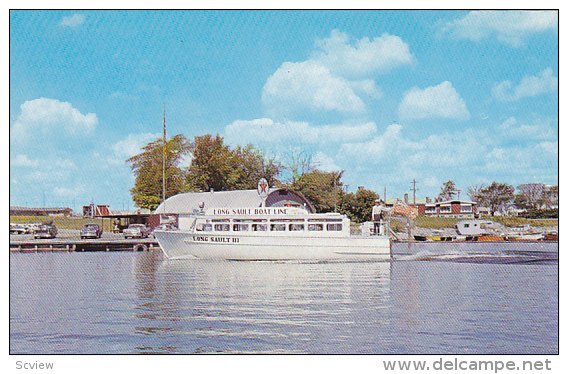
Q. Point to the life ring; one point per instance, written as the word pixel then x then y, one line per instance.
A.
pixel 140 248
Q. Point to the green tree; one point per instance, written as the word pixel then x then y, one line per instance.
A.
pixel 248 165
pixel 448 191
pixel 148 165
pixel 216 166
pixel 323 189
pixel 551 196
pixel 359 205
pixel 530 196
pixel 497 196
pixel 298 163
pixel 474 192
pixel 210 165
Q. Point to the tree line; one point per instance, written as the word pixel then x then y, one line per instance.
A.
pixel 215 165
pixel 536 199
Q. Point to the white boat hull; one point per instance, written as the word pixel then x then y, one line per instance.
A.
pixel 187 245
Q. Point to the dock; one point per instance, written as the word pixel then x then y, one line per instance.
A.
pixel 108 243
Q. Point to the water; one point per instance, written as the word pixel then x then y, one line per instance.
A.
pixel 139 303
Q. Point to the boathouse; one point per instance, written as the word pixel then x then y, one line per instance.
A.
pixel 190 202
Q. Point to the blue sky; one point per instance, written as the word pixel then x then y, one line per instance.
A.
pixel 387 96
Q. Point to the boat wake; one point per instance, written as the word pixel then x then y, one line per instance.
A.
pixel 472 257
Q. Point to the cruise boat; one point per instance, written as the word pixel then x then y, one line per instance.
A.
pixel 269 233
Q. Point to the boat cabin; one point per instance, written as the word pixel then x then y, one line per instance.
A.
pixel 281 221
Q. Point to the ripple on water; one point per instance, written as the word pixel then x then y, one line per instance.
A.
pixel 137 303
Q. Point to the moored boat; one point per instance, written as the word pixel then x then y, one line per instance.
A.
pixel 274 233
pixel 551 236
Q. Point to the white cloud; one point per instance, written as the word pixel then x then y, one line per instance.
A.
pixel 377 149
pixel 266 132
pixel 362 57
pixel 337 77
pixel 70 192
pixel 509 27
pixel 511 128
pixel 131 145
pixel 73 20
pixel 309 85
pixel 441 101
pixel 527 163
pixel 468 156
pixel 23 160
pixel 121 95
pixel 51 168
pixel 324 162
pixel 43 117
pixel 534 85
pixel 367 87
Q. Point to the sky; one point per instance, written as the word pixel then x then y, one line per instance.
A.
pixel 385 96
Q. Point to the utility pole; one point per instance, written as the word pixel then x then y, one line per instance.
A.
pixel 413 189
pixel 385 195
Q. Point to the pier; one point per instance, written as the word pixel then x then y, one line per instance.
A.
pixel 108 243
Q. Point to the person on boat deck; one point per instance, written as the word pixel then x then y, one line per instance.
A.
pixel 379 214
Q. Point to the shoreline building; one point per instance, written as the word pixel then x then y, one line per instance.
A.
pixel 27 211
pixel 449 209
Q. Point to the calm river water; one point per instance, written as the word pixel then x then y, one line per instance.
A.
pixel 139 303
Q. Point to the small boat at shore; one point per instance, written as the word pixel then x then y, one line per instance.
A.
pixel 551 236
pixel 274 233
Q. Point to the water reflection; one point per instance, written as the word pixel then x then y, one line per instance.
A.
pixel 485 308
pixel 138 303
pixel 259 306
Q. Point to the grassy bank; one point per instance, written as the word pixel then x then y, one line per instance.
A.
pixel 62 222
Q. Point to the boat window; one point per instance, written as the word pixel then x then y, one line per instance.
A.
pixel 220 220
pixel 287 220
pixel 203 227
pixel 466 225
pixel 240 227
pixel 259 227
pixel 278 227
pixel 334 227
pixel 315 227
pixel 222 227
pixel 296 227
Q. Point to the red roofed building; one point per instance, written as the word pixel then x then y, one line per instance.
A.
pixel 450 209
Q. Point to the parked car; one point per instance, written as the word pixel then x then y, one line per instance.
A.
pixel 16 228
pixel 46 231
pixel 91 230
pixel 163 226
pixel 31 227
pixel 136 230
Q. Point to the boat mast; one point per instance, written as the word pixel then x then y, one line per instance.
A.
pixel 164 162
